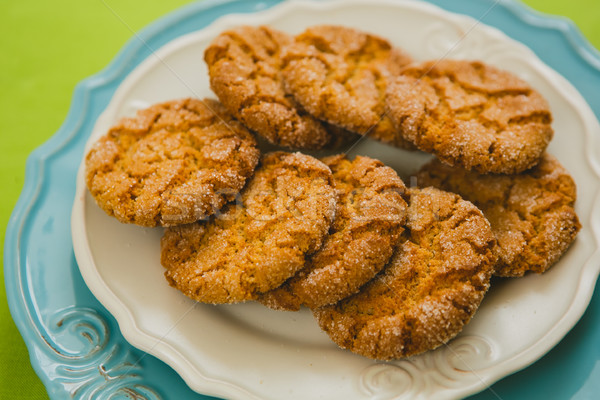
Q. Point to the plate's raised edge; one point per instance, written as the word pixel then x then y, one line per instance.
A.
pixel 80 107
pixel 564 25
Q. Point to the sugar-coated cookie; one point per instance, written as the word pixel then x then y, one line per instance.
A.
pixel 173 163
pixel 429 290
pixel 253 246
pixel 471 115
pixel 370 217
pixel 339 75
pixel 245 72
pixel 532 213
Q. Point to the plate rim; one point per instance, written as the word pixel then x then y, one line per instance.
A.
pixel 44 155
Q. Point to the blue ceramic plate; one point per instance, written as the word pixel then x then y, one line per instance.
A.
pixel 75 343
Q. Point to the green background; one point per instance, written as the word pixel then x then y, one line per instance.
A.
pixel 46 47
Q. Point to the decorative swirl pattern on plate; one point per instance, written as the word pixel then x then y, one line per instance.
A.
pixel 91 365
pixel 418 377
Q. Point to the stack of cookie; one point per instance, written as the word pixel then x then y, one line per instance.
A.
pixel 388 271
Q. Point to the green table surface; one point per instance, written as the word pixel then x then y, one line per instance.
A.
pixel 46 48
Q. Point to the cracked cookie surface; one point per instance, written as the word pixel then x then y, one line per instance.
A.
pixel 471 115
pixel 369 218
pixel 339 75
pixel 532 214
pixel 173 163
pixel 245 73
pixel 428 291
pixel 252 247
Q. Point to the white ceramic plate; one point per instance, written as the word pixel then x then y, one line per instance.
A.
pixel 247 351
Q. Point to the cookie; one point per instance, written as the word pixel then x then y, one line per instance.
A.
pixel 244 67
pixel 369 218
pixel 339 75
pixel 471 115
pixel 532 214
pixel 430 289
pixel 174 163
pixel 252 247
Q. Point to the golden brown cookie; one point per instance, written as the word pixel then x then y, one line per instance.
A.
pixel 429 290
pixel 173 163
pixel 245 73
pixel 369 218
pixel 339 75
pixel 283 215
pixel 471 115
pixel 532 214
